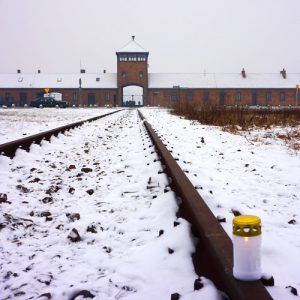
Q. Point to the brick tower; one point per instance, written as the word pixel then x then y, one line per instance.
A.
pixel 132 69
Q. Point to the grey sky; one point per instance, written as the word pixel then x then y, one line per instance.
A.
pixel 181 35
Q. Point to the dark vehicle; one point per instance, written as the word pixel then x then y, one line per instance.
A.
pixel 48 102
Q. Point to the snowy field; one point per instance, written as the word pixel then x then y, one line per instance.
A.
pixel 103 181
pixel 18 123
pixel 253 174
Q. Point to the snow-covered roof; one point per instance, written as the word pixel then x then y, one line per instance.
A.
pixel 223 80
pixel 43 80
pixel 132 47
pixel 156 80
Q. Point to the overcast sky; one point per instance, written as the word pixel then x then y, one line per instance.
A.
pixel 181 35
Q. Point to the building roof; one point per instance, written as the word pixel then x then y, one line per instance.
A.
pixel 43 80
pixel 223 80
pixel 156 80
pixel 132 47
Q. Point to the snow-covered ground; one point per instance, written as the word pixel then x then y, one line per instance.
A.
pixel 103 180
pixel 17 123
pixel 253 174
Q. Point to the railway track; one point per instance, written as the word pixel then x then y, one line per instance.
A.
pixel 213 256
pixel 10 148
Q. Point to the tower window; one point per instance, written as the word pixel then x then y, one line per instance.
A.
pixel 107 96
pixel 123 57
pixel 123 75
pixel 282 96
pixel 141 75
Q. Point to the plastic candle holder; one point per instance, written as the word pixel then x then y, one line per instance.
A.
pixel 247 248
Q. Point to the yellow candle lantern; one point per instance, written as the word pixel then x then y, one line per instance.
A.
pixel 247 248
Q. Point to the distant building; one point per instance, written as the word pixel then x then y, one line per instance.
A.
pixel 133 85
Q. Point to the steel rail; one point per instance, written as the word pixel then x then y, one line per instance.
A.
pixel 214 252
pixel 10 148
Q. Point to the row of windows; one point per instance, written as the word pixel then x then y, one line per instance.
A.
pixel 222 95
pixel 132 57
pixel 268 96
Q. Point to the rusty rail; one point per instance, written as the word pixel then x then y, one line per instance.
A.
pixel 214 253
pixel 10 148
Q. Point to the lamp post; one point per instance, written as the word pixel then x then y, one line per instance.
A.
pixel 80 82
pixel 247 248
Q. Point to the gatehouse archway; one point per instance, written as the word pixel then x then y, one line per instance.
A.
pixel 133 95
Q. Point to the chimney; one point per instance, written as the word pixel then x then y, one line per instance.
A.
pixel 243 73
pixel 82 71
pixel 104 71
pixel 39 71
pixel 133 37
pixel 283 73
pixel 19 71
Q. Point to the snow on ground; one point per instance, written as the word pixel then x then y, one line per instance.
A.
pixel 103 181
pixel 232 172
pixel 16 123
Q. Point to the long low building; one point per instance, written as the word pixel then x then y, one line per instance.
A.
pixel 133 85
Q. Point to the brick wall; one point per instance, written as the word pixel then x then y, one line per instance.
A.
pixel 167 97
pixel 162 97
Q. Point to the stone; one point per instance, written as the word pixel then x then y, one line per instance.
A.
pixel 73 217
pixel 267 280
pixel 235 212
pixel 45 214
pixel 47 200
pixel 171 251
pixel 23 189
pixel 52 189
pixel 161 232
pixel 74 236
pixel 46 296
pixel 71 190
pixel 292 290
pixel 86 170
pixel 221 219
pixel 92 228
pixel 175 296
pixel 90 192
pixel 176 223
pixel 84 294
pixel 3 198
pixel 198 285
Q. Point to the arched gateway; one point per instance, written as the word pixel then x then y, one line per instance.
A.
pixel 132 74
